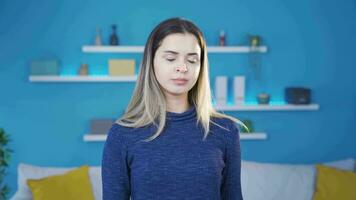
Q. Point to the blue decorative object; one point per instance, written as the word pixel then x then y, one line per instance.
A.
pixel 45 67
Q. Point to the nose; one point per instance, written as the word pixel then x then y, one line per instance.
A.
pixel 182 68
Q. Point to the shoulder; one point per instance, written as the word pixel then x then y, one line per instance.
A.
pixel 119 129
pixel 227 127
pixel 116 135
pixel 126 135
pixel 224 123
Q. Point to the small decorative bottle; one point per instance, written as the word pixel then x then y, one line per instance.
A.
pixel 222 38
pixel 114 39
pixel 98 40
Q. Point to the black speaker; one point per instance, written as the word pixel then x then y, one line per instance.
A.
pixel 297 95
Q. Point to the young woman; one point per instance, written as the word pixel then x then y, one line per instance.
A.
pixel 171 143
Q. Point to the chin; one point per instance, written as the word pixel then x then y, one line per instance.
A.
pixel 178 92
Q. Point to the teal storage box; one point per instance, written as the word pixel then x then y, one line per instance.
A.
pixel 45 67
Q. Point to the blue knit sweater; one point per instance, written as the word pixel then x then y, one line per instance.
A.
pixel 177 165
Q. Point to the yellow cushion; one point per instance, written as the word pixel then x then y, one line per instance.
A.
pixel 334 184
pixel 73 185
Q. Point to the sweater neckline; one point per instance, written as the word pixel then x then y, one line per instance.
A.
pixel 190 113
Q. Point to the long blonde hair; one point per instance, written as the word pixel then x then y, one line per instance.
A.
pixel 148 103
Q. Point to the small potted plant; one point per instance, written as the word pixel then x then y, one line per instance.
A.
pixel 254 55
pixel 5 157
pixel 255 40
pixel 247 127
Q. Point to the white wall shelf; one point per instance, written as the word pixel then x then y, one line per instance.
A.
pixel 236 49
pixel 285 107
pixel 83 78
pixel 140 49
pixel 94 137
pixel 243 136
pixel 112 49
pixel 253 136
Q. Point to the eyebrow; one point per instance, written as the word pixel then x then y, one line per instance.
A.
pixel 174 52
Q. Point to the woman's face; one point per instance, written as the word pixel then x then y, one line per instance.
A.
pixel 178 57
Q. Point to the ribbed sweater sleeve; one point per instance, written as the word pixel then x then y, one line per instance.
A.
pixel 115 171
pixel 231 184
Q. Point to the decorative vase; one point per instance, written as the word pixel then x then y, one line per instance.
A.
pixel 98 40
pixel 83 70
pixel 222 38
pixel 114 39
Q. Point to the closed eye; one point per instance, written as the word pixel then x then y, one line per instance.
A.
pixel 173 59
pixel 193 61
pixel 170 59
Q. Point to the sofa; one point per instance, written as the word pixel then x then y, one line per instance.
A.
pixel 267 181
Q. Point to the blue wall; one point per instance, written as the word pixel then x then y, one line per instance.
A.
pixel 311 44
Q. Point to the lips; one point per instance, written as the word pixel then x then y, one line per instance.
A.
pixel 180 81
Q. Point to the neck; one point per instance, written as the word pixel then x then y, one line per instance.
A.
pixel 177 104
